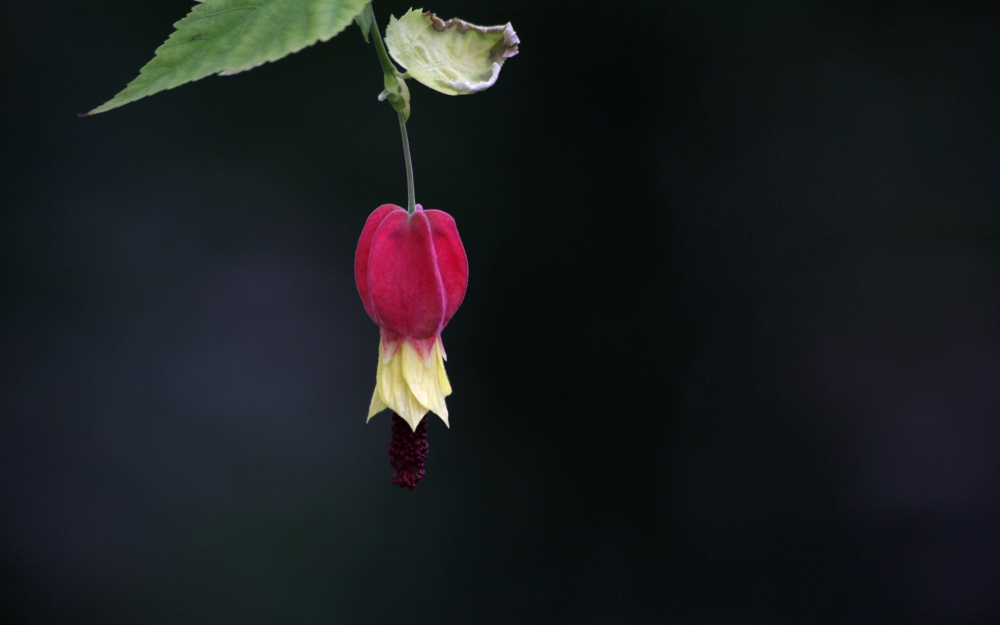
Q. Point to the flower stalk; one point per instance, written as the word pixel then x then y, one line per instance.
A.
pixel 411 194
pixel 398 95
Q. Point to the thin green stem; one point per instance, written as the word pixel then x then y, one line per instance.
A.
pixel 411 204
pixel 388 69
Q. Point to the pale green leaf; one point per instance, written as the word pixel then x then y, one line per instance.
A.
pixel 230 36
pixel 453 57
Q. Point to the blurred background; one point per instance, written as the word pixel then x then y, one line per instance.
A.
pixel 730 351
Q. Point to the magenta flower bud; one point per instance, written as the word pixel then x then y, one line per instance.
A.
pixel 412 273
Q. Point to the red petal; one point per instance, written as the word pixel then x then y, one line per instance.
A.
pixel 364 249
pixel 453 265
pixel 407 295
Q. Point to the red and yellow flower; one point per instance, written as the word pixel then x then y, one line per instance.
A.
pixel 412 272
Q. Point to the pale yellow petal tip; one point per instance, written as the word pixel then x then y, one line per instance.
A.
pixel 411 385
pixel 376 406
pixel 412 421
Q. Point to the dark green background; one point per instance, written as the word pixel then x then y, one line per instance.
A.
pixel 730 351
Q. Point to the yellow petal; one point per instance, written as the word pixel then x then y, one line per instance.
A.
pixel 409 384
pixel 377 405
pixel 442 375
pixel 395 392
pixel 422 378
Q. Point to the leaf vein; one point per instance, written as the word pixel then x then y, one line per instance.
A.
pixel 212 40
pixel 260 44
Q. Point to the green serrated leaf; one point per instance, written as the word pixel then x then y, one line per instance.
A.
pixel 453 57
pixel 230 36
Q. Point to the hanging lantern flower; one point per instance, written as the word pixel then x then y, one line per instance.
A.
pixel 411 271
pixel 410 266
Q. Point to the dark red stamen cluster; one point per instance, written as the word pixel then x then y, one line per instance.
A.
pixel 407 452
